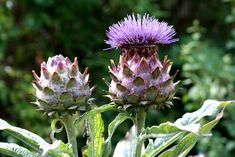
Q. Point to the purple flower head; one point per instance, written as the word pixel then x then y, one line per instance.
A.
pixel 140 30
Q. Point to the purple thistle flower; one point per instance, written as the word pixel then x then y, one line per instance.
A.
pixel 140 30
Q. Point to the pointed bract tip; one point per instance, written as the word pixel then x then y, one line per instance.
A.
pixel 37 85
pixel 35 75
pixel 106 82
pixel 75 61
pixel 85 73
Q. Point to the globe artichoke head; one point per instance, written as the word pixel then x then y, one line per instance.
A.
pixel 141 81
pixel 61 88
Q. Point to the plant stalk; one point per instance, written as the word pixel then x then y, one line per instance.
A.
pixel 140 124
pixel 70 130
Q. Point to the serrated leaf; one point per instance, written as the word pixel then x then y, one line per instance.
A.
pixel 208 108
pixel 95 131
pixel 187 143
pixel 168 133
pixel 31 139
pixel 15 150
pixel 165 134
pixel 120 118
pixel 57 149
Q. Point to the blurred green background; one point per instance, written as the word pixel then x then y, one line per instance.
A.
pixel 33 30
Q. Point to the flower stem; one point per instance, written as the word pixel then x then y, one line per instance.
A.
pixel 140 124
pixel 70 130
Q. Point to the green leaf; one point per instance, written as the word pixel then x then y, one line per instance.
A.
pixel 84 152
pixel 121 117
pixel 167 133
pixel 95 131
pixel 187 143
pixel 15 150
pixel 58 149
pixel 97 110
pixel 33 140
pixel 209 107
pixel 149 148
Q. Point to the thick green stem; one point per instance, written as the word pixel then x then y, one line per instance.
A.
pixel 140 124
pixel 70 130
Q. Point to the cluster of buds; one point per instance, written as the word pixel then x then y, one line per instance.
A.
pixel 61 88
pixel 140 79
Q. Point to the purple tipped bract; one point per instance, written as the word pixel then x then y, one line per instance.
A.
pixel 140 30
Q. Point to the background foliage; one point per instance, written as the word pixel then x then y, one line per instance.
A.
pixel 32 30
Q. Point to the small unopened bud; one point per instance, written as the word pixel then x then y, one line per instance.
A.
pixel 61 88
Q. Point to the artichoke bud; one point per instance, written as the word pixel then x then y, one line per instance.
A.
pixel 141 81
pixel 61 88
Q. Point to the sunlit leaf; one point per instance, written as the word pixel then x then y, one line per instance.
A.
pixel 97 110
pixel 95 131
pixel 187 143
pixel 15 150
pixel 58 149
pixel 167 133
pixel 121 117
pixel 33 140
